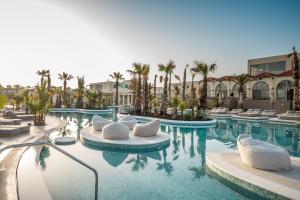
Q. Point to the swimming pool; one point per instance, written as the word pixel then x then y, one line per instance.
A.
pixel 176 172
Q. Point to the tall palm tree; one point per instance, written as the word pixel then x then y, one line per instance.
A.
pixel 48 75
pixel 43 73
pixel 80 92
pixel 25 95
pixel 203 69
pixel 146 71
pixel 184 83
pixel 117 76
pixel 154 93
pixel 176 101
pixel 164 78
pixel 133 87
pixel 57 92
pixel 241 81
pixel 295 67
pixel 192 95
pixel 138 71
pixel 171 67
pixel 65 77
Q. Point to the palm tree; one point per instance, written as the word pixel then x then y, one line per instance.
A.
pixel 241 81
pixel 167 166
pixel 171 66
pixel 154 93
pixel 184 83
pixel 48 75
pixel 80 92
pixel 203 69
pixel 39 105
pixel 25 95
pixel 92 98
pixel 295 67
pixel 176 101
pixel 65 77
pixel 43 73
pixel 146 71
pixel 182 107
pixel 133 86
pixel 140 162
pixel 192 95
pixel 57 92
pixel 164 69
pixel 138 71
pixel 117 76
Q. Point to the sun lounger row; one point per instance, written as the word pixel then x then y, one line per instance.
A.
pixel 220 110
pixel 290 115
pixel 251 113
pixel 235 111
pixel 268 113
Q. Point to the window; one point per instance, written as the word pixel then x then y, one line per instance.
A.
pixel 221 89
pixel 260 90
pixel 283 89
pixel 272 67
pixel 235 90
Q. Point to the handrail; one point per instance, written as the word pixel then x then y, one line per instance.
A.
pixel 60 150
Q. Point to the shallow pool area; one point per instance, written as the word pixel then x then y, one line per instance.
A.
pixel 175 172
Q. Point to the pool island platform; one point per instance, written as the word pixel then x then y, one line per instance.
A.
pixel 229 168
pixel 91 138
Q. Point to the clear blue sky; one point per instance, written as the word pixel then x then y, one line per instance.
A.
pixel 94 38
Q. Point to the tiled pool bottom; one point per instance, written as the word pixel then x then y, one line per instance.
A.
pixel 177 172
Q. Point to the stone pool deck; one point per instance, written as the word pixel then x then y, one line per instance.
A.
pixel 261 183
pixel 9 159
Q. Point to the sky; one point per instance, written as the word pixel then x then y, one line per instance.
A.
pixel 94 38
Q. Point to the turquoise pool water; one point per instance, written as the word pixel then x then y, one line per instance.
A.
pixel 177 172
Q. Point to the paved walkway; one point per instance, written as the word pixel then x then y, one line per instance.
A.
pixel 9 159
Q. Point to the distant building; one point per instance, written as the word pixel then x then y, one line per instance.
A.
pixel 108 88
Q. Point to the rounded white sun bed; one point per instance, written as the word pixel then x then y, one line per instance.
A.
pixel 148 129
pixel 99 122
pixel 262 155
pixel 115 131
pixel 128 121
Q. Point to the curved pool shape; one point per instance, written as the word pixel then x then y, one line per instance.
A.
pixel 175 172
pixel 178 123
pixel 82 111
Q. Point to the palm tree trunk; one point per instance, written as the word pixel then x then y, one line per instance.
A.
pixel 170 88
pixel 138 96
pixel 65 93
pixel 154 93
pixel 183 85
pixel 296 82
pixel 145 110
pixel 117 93
pixel 163 109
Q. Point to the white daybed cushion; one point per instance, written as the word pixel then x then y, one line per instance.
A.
pixel 128 121
pixel 98 125
pixel 262 155
pixel 115 131
pixel 148 129
pixel 99 122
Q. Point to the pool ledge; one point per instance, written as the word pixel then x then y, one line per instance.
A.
pixel 265 184
pixel 179 123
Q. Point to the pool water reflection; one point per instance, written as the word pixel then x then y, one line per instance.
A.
pixel 177 172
